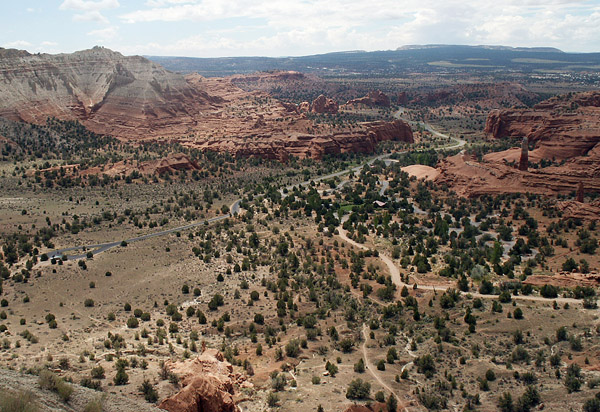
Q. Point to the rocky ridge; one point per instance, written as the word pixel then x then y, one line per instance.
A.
pixel 565 131
pixel 132 98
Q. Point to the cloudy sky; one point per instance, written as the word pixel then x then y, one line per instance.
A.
pixel 215 28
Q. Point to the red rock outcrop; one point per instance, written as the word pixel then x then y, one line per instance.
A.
pixel 324 104
pixel 168 164
pixel 524 159
pixel 578 210
pixel 374 98
pixel 304 107
pixel 132 98
pixel 580 192
pixel 402 98
pixel 208 385
pixel 468 177
pixel 565 280
pixel 127 97
pixel 564 128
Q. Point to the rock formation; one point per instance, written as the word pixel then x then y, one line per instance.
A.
pixel 580 192
pixel 127 97
pixel 323 104
pixel 132 98
pixel 304 107
pixel 402 98
pixel 524 159
pixel 374 98
pixel 577 210
pixel 564 128
pixel 208 385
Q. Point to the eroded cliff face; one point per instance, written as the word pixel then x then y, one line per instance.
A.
pixel 132 98
pixel 561 128
pixel 127 97
pixel 564 129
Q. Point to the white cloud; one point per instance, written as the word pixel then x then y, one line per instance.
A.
pixel 161 3
pixel 283 27
pixel 87 5
pixel 49 44
pixel 17 44
pixel 92 15
pixel 107 33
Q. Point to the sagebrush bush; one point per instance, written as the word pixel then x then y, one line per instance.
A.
pixel 18 402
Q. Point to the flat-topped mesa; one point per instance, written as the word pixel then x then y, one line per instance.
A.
pixel 524 160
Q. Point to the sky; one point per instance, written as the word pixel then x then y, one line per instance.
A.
pixel 220 28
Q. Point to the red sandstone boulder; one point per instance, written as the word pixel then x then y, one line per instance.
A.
pixel 208 384
pixel 304 107
pixel 202 393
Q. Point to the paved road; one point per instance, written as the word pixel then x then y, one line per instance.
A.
pixel 103 247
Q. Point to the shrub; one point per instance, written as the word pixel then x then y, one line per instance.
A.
pixel 121 378
pixel 49 381
pixel 95 405
pixel 358 389
pixel 132 323
pixel 549 291
pixel 97 372
pixel 346 345
pixel 88 303
pixel 18 402
pixel 272 399
pixel 359 367
pixel 90 383
pixel 292 349
pixel 150 394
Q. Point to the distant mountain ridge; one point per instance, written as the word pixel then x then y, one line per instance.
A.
pixel 482 46
pixel 412 58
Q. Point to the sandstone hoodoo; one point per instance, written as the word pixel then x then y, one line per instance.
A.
pixel 580 192
pixel 524 160
pixel 324 104
pixel 374 98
